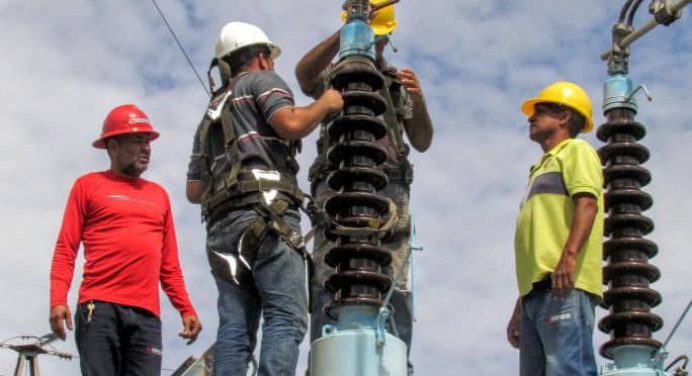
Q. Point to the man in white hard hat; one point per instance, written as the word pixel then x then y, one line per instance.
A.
pixel 243 173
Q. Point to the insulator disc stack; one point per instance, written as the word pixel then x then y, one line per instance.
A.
pixel 357 209
pixel 628 273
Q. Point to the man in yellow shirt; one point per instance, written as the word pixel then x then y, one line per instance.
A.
pixel 558 240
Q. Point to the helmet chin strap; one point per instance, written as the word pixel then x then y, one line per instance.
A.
pixel 224 72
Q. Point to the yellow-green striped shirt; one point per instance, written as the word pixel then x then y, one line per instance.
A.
pixel 546 214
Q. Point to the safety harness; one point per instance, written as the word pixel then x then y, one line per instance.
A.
pixel 269 193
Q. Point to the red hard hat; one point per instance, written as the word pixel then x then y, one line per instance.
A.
pixel 127 118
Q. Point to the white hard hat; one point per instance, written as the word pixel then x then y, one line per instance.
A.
pixel 236 35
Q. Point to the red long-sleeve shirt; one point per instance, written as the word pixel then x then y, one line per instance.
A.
pixel 126 227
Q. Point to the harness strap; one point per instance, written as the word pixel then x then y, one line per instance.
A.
pixel 264 185
pixel 271 218
pixel 230 139
pixel 391 120
pixel 246 192
pixel 404 173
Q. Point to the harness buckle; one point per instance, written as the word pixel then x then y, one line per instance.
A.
pixel 263 178
pixel 296 239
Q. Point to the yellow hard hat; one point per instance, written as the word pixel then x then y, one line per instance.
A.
pixel 384 21
pixel 566 94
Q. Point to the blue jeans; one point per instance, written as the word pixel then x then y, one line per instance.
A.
pixel 278 293
pixel 556 334
pixel 117 340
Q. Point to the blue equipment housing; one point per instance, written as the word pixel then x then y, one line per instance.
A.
pixel 357 39
pixel 354 347
pixel 636 360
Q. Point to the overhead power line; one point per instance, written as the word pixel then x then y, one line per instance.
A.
pixel 192 66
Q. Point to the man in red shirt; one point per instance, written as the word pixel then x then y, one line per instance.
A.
pixel 126 226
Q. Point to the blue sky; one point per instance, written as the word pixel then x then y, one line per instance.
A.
pixel 65 64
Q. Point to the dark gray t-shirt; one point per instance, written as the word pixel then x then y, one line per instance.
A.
pixel 256 98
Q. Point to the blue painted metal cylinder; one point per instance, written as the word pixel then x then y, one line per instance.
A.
pixel 617 93
pixel 356 352
pixel 357 39
pixel 354 347
pixel 635 360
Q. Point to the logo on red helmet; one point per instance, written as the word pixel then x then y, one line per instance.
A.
pixel 138 120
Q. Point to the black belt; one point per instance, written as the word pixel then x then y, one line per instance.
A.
pixel 248 201
pixel 542 285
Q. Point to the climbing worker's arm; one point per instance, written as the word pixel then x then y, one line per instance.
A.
pixel 417 123
pixel 314 62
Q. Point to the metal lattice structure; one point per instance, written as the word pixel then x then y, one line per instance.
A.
pixel 28 349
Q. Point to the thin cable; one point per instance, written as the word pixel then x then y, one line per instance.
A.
pixel 677 324
pixel 623 12
pixel 633 11
pixel 681 358
pixel 181 48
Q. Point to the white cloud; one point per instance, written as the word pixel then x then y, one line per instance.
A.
pixel 65 64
